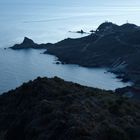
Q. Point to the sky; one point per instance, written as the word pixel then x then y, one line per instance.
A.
pixel 30 17
pixel 77 2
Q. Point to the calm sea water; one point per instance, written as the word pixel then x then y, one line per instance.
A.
pixel 24 65
pixel 50 21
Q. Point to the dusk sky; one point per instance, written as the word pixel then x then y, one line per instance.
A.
pixel 67 2
pixel 28 17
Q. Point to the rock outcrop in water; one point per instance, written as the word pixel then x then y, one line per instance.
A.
pixel 27 44
pixel 52 109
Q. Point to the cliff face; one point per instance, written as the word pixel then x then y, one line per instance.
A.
pixel 52 109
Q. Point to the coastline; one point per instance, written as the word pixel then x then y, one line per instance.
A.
pixel 111 46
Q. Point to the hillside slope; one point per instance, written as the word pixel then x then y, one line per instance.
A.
pixel 52 109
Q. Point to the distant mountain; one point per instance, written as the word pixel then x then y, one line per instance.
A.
pixel 52 109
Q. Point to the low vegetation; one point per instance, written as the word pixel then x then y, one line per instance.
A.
pixel 52 109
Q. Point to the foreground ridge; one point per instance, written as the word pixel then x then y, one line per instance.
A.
pixel 52 109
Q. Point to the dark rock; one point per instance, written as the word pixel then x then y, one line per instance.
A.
pixel 81 32
pixel 58 63
pixel 27 44
pixel 92 31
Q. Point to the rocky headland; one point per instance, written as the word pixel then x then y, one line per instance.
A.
pixel 28 44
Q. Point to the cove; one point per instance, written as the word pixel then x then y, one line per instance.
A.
pixel 21 66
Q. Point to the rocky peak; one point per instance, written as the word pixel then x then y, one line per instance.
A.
pixel 26 44
pixel 107 26
pixel 128 27
pixel 28 41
